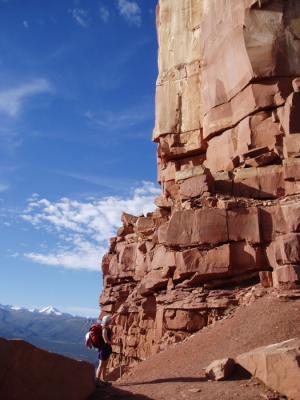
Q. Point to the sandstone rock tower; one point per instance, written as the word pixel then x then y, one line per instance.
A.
pixel 228 135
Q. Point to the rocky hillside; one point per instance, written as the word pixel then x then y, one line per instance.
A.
pixel 48 329
pixel 228 146
pixel 179 372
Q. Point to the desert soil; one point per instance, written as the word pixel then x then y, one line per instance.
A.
pixel 177 373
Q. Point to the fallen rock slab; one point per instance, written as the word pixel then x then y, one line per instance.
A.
pixel 220 369
pixel 277 365
pixel 28 373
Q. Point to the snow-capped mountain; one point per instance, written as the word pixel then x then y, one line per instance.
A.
pixel 50 310
pixel 47 328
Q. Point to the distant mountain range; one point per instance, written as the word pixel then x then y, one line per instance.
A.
pixel 48 329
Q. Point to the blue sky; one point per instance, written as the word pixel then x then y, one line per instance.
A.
pixel 77 84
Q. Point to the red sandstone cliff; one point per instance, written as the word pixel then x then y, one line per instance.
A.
pixel 228 135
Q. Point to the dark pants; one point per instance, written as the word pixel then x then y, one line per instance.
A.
pixel 104 352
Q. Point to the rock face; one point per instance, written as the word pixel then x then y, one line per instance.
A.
pixel 27 373
pixel 228 135
pixel 277 366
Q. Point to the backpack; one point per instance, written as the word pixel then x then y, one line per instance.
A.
pixel 94 337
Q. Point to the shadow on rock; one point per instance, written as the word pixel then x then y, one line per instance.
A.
pixel 111 392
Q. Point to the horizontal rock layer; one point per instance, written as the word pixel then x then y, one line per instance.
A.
pixel 228 135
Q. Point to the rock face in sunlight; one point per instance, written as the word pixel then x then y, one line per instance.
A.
pixel 28 373
pixel 228 135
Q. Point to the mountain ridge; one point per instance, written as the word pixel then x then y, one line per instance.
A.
pixel 49 329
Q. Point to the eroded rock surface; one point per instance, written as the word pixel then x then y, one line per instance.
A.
pixel 228 135
pixel 277 365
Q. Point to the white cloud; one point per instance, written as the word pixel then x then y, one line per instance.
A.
pixel 84 228
pixel 104 13
pixel 12 100
pixel 131 11
pixel 26 24
pixel 116 120
pixel 81 16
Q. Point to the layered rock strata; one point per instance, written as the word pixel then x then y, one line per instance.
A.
pixel 228 135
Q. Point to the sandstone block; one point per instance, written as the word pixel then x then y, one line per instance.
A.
pixel 276 365
pixel 255 97
pixel 212 263
pixel 189 172
pixel 152 282
pixel 243 224
pixel 162 258
pixel 264 130
pixel 270 157
pixel 27 373
pixel 289 114
pixel 271 181
pixel 286 249
pixel 286 274
pixel 220 369
pixel 266 279
pixel 184 320
pixel 246 183
pixel 144 225
pixel 128 219
pixel 291 145
pixel 249 36
pixel 162 202
pixel 221 161
pixel 197 227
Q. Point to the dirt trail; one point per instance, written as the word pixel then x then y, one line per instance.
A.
pixel 178 372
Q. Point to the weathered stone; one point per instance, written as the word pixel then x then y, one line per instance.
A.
pixel 27 373
pixel 220 369
pixel 266 279
pixel 269 157
pixel 152 281
pixel 286 274
pixel 197 227
pixel 277 365
pixel 246 183
pixel 288 115
pixel 284 250
pixel 162 202
pixel 186 320
pixel 243 223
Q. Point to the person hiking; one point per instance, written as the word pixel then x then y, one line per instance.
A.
pixel 105 349
pixel 99 336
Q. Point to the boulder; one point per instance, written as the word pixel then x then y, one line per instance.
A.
pixel 220 369
pixel 28 373
pixel 277 365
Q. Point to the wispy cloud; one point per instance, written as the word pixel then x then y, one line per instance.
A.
pixel 81 16
pixel 84 228
pixel 105 182
pixel 3 187
pixel 26 24
pixel 104 13
pixel 12 100
pixel 115 120
pixel 130 10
